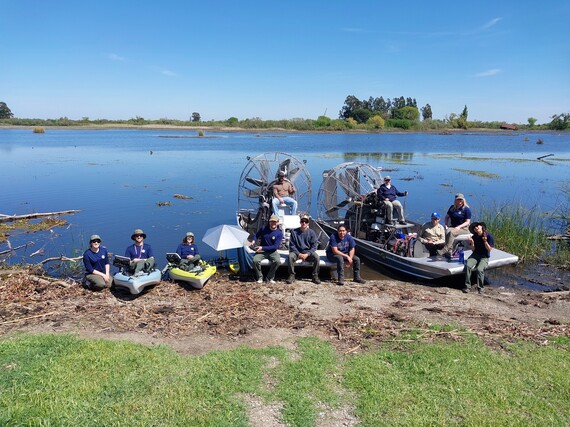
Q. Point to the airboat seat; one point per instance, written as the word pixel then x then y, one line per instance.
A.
pixel 289 222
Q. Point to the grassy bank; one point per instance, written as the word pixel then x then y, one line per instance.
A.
pixel 61 380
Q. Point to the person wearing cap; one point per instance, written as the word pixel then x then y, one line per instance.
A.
pixel 432 234
pixel 342 251
pixel 482 244
pixel 188 251
pixel 303 245
pixel 388 194
pixel 140 253
pixel 97 266
pixel 269 238
pixel 283 189
pixel 457 222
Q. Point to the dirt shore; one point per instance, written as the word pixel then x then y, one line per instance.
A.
pixel 228 313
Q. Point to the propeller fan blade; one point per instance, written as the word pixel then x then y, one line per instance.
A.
pixel 264 170
pixel 251 193
pixel 255 181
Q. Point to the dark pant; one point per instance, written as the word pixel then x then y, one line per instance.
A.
pixel 313 256
pixel 339 260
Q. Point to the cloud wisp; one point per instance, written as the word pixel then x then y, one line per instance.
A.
pixel 488 73
pixel 491 23
pixel 115 57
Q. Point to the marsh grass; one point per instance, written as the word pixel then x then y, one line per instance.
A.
pixel 481 174
pixel 61 380
pixel 39 130
pixel 517 230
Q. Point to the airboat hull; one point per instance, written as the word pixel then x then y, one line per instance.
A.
pixel 136 284
pixel 426 268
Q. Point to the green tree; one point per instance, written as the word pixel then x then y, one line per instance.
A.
pixel 232 121
pixel 5 112
pixel 426 112
pixel 464 113
pixel 361 115
pixel 351 104
pixel 531 121
pixel 196 117
pixel 406 113
pixel 323 122
pixel 376 122
pixel 560 122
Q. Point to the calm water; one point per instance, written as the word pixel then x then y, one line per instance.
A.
pixel 117 177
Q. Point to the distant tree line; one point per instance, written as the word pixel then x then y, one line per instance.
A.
pixel 370 115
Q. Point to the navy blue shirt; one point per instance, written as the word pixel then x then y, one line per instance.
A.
pixel 480 245
pixel 142 252
pixel 184 250
pixel 95 260
pixel 270 239
pixel 389 193
pixel 458 216
pixel 345 245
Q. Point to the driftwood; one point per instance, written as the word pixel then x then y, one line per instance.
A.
pixel 542 157
pixel 16 248
pixel 60 258
pixel 8 218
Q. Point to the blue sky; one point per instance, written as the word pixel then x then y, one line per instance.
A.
pixel 505 60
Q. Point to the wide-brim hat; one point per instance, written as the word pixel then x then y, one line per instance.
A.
pixel 274 218
pixel 475 224
pixel 137 232
pixel 94 237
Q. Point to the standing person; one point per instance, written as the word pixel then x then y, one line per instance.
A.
pixel 389 194
pixel 270 238
pixel 303 245
pixel 432 234
pixel 482 243
pixel 341 250
pixel 283 189
pixel 188 252
pixel 140 253
pixel 458 217
pixel 97 266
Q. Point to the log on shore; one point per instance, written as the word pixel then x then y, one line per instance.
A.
pixel 8 218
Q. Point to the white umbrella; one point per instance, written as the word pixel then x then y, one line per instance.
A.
pixel 224 237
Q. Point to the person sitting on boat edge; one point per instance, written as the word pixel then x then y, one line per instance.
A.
pixel 341 250
pixel 188 251
pixel 283 189
pixel 459 217
pixel 270 238
pixel 303 245
pixel 140 254
pixel 97 266
pixel 482 243
pixel 388 194
pixel 432 234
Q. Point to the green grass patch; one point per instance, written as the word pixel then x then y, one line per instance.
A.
pixel 59 380
pixel 481 174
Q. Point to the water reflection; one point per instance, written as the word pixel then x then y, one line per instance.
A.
pixel 373 158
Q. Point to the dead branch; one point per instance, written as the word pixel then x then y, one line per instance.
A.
pixel 60 258
pixel 16 248
pixel 9 218
pixel 29 317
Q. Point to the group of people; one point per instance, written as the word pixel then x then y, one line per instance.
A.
pixel 440 241
pixel 303 245
pixel 98 266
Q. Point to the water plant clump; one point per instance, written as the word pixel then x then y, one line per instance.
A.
pixel 518 230
pixel 39 130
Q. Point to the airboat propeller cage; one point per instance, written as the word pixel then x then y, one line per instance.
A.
pixel 344 185
pixel 255 186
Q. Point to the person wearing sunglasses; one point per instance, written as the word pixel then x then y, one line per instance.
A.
pixel 188 251
pixel 303 245
pixel 432 234
pixel 97 266
pixel 388 194
pixel 140 254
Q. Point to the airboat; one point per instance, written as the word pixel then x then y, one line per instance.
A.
pixel 255 193
pixel 347 196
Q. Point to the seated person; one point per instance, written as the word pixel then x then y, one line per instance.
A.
pixel 188 252
pixel 341 250
pixel 388 194
pixel 270 238
pixel 432 235
pixel 97 267
pixel 459 218
pixel 140 254
pixel 482 244
pixel 283 189
pixel 303 245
